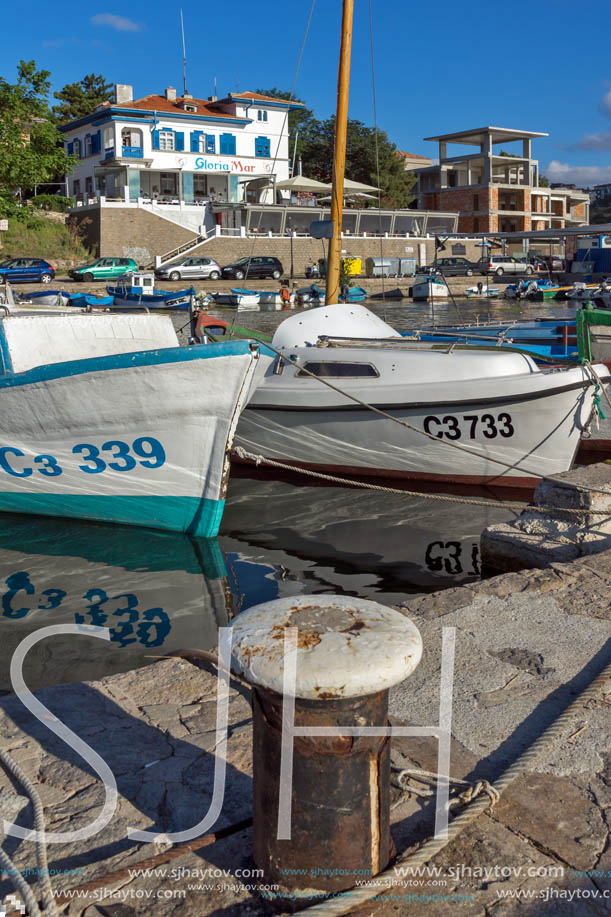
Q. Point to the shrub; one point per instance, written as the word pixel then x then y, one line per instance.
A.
pixel 53 202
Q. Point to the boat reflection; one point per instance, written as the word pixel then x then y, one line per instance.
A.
pixel 155 592
pixel 338 539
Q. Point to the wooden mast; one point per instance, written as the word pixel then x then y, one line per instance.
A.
pixel 339 156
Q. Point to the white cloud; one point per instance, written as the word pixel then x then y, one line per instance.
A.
pixel 605 103
pixel 599 142
pixel 577 175
pixel 120 23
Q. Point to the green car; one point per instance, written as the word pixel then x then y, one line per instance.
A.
pixel 104 269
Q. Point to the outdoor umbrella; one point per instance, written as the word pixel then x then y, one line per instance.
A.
pixel 301 183
pixel 350 185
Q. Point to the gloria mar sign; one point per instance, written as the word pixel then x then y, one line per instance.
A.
pixel 231 166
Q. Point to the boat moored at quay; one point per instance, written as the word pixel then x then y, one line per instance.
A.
pixel 106 418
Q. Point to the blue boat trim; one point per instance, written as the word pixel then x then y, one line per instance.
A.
pixel 122 361
pixel 192 515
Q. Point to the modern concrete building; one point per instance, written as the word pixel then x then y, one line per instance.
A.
pixel 494 189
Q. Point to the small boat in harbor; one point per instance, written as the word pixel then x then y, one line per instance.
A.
pixel 473 416
pixel 106 418
pixel 584 292
pixel 430 286
pixel 481 290
pixel 138 291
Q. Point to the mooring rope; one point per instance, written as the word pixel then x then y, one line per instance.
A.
pixel 41 850
pixel 449 498
pixel 388 879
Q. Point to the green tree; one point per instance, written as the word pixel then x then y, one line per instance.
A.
pixel 365 153
pixel 301 122
pixel 543 181
pixel 31 146
pixel 81 98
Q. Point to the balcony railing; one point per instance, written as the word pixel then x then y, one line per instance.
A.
pixel 127 152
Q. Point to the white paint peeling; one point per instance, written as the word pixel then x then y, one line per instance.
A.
pixel 347 647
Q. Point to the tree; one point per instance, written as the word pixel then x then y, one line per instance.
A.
pixel 315 147
pixel 301 122
pixel 32 150
pixel 81 98
pixel 363 157
pixel 543 181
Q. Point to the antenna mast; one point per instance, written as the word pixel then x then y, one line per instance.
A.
pixel 184 56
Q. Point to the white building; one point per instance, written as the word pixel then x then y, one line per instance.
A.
pixel 180 150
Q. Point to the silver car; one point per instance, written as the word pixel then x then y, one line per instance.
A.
pixel 190 269
pixel 505 264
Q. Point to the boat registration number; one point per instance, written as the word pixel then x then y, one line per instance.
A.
pixel 116 455
pixel 469 426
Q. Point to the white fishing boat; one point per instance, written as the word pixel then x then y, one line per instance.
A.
pixel 430 286
pixel 104 417
pixel 485 292
pixel 512 421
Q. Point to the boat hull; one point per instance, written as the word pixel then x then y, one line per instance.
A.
pixel 76 446
pixel 533 425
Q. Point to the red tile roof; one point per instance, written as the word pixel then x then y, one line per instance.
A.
pixel 160 103
pixel 405 155
pixel 259 97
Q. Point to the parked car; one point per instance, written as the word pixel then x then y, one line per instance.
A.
pixel 254 267
pixel 24 270
pixel 553 262
pixel 456 267
pixel 190 269
pixel 505 264
pixel 104 269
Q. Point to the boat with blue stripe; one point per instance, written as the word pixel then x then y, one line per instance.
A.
pixel 138 291
pixel 74 445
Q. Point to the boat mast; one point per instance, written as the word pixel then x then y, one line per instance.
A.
pixel 339 155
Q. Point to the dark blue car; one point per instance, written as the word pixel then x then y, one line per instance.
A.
pixel 22 270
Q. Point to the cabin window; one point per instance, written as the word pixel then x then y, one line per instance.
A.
pixel 339 370
pixel 166 140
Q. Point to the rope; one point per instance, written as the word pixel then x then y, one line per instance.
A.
pixel 449 498
pixel 39 823
pixel 388 879
pixel 20 884
pixel 409 426
pixel 429 778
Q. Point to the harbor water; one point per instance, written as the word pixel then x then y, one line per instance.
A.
pixel 159 592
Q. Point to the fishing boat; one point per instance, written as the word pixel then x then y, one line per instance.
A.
pixel 461 416
pixel 583 292
pixel 481 290
pixel 430 286
pixel 544 289
pixel 88 300
pixel 105 418
pixel 310 295
pixel 49 298
pixel 138 291
pixel 519 290
pixel 553 340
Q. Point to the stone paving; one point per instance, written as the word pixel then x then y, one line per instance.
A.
pixel 527 643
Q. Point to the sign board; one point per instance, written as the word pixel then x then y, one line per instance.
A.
pixel 3 225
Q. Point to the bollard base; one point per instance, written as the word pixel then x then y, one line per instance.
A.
pixel 340 795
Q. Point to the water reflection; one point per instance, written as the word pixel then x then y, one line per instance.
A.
pixel 155 591
pixel 158 591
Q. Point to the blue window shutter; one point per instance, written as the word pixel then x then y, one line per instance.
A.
pixel 227 145
pixel 210 143
pixel 155 140
pixel 262 147
pixel 195 135
pixel 96 142
pixel 70 148
pixel 179 140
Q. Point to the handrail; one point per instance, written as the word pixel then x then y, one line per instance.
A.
pixel 185 247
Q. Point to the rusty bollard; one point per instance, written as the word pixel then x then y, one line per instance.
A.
pixel 349 652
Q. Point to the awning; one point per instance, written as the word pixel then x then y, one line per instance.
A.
pixel 301 183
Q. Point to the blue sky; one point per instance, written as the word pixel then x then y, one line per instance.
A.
pixel 440 67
